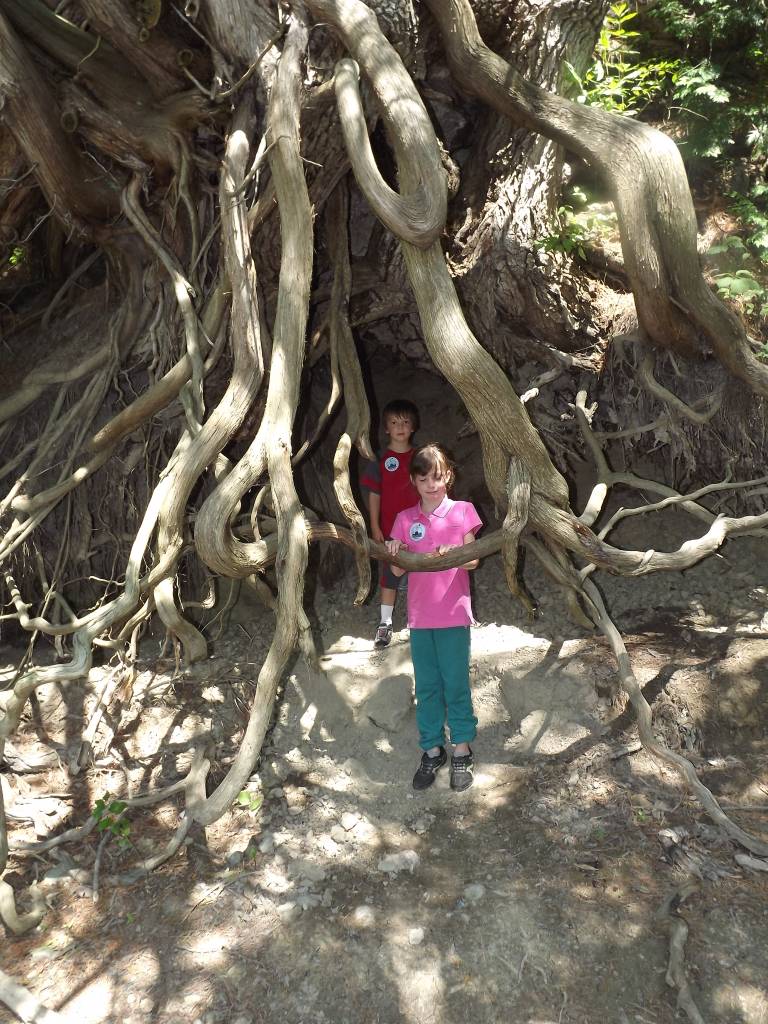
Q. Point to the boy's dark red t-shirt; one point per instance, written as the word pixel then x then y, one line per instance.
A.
pixel 390 477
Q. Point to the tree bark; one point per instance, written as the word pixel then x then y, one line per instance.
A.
pixel 647 181
pixel 75 191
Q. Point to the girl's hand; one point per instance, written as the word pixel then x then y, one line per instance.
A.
pixel 443 549
pixel 393 546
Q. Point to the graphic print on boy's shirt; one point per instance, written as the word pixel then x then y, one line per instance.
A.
pixel 390 477
pixel 437 600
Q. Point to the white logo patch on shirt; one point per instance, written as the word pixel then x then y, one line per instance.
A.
pixel 391 464
pixel 417 531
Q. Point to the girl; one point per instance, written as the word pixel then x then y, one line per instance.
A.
pixel 439 616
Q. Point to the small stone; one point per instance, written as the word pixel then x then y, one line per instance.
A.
pixel 307 869
pixel 276 793
pixel 415 936
pixel 295 811
pixel 327 898
pixel 363 917
pixel 267 843
pixel 289 911
pixel 349 820
pixel 235 859
pixel 406 860
pixel 474 892
pixel 338 834
pixel 308 900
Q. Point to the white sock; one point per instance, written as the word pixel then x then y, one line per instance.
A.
pixel 386 614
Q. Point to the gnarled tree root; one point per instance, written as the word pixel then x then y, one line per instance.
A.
pixel 26 1006
pixel 668 914
pixel 645 174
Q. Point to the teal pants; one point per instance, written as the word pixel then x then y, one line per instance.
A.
pixel 441 668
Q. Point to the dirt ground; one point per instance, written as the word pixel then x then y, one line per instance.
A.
pixel 343 897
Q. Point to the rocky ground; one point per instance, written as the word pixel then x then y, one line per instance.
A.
pixel 333 893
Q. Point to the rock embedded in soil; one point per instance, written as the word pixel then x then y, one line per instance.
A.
pixel 289 911
pixel 393 863
pixel 363 917
pixel 474 892
pixel 390 703
pixel 307 869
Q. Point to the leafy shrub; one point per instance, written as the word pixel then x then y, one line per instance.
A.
pixel 569 238
pixel 616 81
pixel 719 94
pixel 109 815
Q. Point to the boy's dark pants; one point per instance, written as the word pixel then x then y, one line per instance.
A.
pixel 441 667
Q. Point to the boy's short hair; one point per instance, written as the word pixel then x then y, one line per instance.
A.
pixel 432 458
pixel 401 407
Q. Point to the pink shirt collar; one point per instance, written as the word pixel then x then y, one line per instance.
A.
pixel 442 509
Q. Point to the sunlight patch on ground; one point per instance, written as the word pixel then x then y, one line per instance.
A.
pixel 213 945
pixel 212 694
pixel 91 1004
pixel 307 720
pixel 749 1001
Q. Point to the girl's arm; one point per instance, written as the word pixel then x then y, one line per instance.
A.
pixel 469 538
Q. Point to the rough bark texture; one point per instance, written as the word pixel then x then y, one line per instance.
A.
pixel 192 302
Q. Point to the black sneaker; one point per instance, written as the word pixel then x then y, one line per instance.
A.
pixel 462 771
pixel 425 775
pixel 383 635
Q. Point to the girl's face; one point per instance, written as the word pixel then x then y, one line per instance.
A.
pixel 431 488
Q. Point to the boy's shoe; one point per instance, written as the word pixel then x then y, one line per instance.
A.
pixel 383 635
pixel 462 771
pixel 425 774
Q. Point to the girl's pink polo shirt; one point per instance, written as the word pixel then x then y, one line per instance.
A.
pixel 437 600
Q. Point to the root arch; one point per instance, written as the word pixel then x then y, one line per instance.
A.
pixel 221 298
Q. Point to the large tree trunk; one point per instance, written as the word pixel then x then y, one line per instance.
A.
pixel 511 185
pixel 212 254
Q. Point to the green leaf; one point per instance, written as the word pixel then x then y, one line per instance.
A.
pixel 117 806
pixel 743 286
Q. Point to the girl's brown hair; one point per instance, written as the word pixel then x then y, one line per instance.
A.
pixel 432 458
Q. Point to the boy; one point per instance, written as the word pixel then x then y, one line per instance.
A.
pixel 390 490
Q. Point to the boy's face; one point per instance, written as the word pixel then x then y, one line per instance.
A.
pixel 398 427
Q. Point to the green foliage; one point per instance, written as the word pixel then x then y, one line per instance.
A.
pixel 18 255
pixel 701 64
pixel 753 217
pixel 739 284
pixel 742 263
pixel 719 95
pixel 249 801
pixel 570 237
pixel 617 81
pixel 109 815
